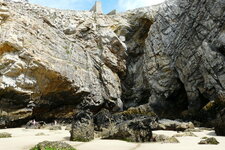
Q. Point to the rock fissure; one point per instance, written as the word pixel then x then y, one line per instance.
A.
pixel 156 58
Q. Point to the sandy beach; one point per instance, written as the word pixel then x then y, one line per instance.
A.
pixel 24 139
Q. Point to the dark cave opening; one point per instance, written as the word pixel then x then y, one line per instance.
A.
pixel 175 104
pixel 172 106
pixel 221 49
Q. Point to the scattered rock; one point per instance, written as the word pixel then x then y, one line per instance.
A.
pixel 163 139
pixel 68 127
pixel 193 130
pixel 82 127
pixel 185 134
pixel 55 127
pixel 166 124
pixel 172 56
pixel 211 140
pixel 5 135
pixel 56 145
pixel 220 123
pixel 40 134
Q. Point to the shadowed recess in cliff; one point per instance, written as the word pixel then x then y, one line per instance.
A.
pixel 10 99
pixel 172 106
pixel 134 93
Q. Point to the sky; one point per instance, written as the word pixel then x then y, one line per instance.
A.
pixel 107 5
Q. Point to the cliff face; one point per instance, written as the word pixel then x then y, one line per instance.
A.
pixel 167 56
pixel 181 63
pixel 53 60
pixel 183 56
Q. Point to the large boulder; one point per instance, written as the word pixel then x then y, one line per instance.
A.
pixel 134 124
pixel 137 130
pixel 82 127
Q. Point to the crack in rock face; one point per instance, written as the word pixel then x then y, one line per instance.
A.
pixel 160 57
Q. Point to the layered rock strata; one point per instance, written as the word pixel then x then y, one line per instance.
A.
pixel 54 63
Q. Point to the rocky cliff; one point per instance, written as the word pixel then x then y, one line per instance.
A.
pixel 167 59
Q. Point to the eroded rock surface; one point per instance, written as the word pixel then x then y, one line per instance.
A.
pixel 180 64
pixel 168 58
pixel 82 127
pixel 138 130
pixel 220 123
pixel 58 60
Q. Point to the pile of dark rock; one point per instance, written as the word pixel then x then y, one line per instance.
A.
pixel 131 125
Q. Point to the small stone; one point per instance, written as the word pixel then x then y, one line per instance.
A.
pixel 53 145
pixel 5 135
pixel 40 134
pixel 185 134
pixel 164 139
pixel 211 140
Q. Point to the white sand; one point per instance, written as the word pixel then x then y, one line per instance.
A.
pixel 24 139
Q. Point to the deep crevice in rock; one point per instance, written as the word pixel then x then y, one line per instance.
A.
pixel 133 94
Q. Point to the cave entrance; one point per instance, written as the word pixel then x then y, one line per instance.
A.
pixel 174 105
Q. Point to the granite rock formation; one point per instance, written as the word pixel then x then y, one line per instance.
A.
pixel 54 63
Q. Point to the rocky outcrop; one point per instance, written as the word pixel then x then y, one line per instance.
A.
pixel 138 130
pixel 180 64
pixel 82 127
pixel 124 126
pixel 58 61
pixel 165 60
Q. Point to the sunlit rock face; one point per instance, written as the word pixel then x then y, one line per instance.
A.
pixel 54 62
